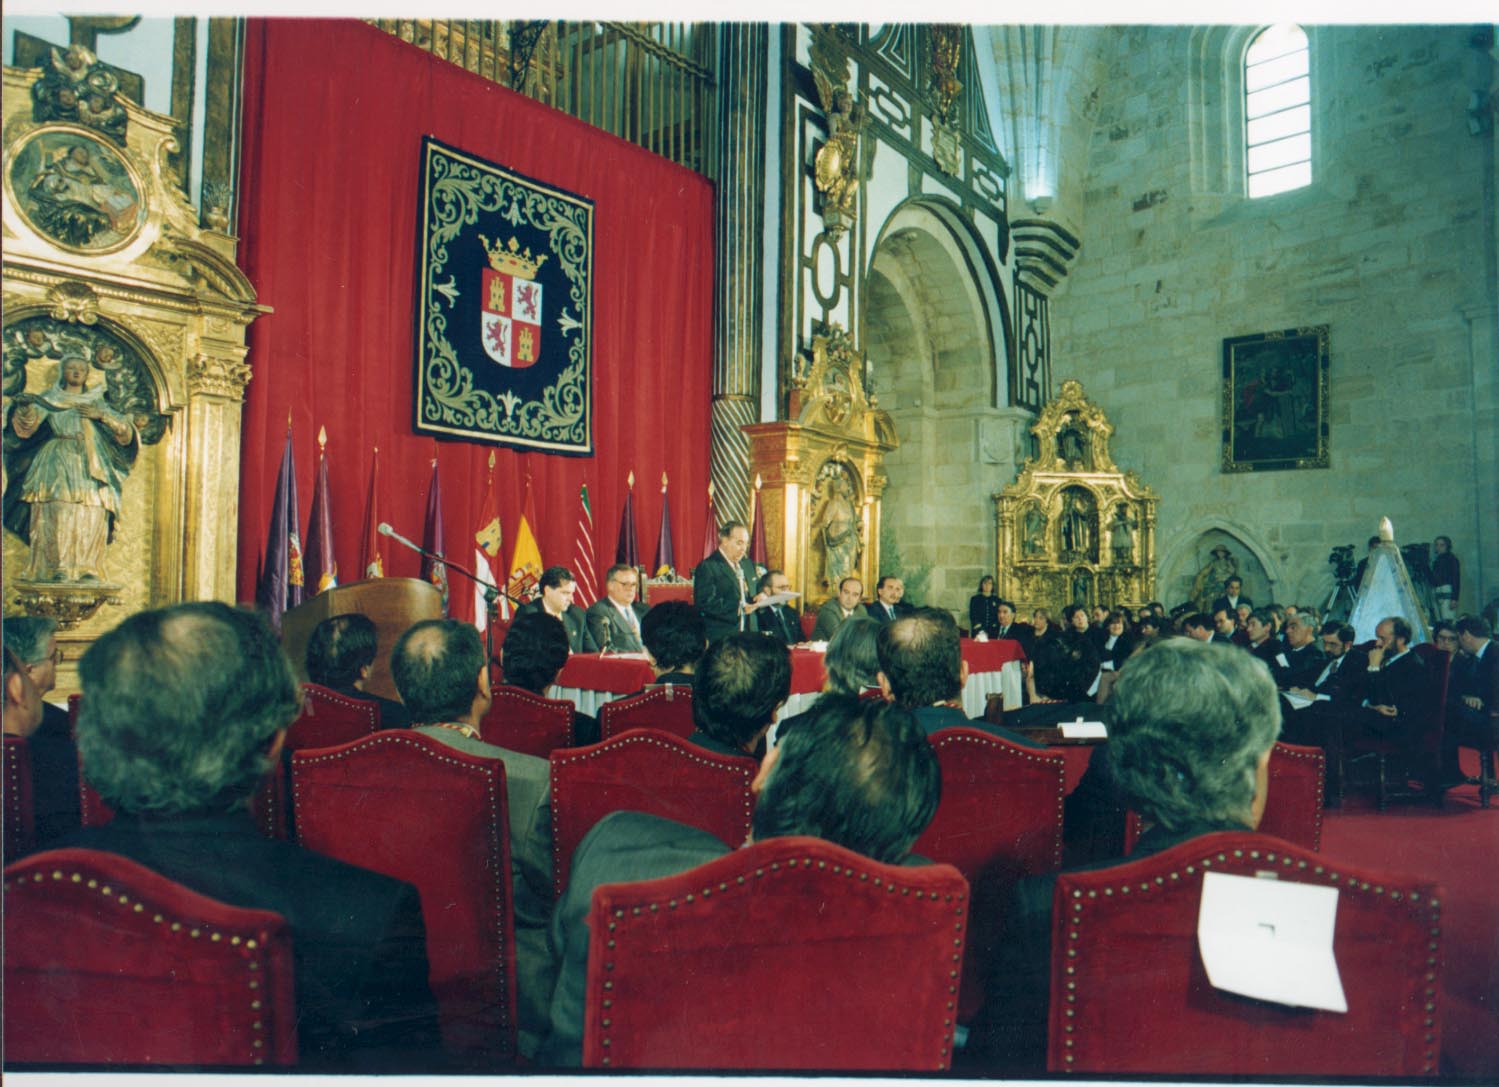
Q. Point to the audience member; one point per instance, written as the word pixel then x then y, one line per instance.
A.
pixel 889 592
pixel 1199 627
pixel 1444 636
pixel 780 621
pixel 184 708
pixel 340 656
pixel 674 637
pixel 858 773
pixel 1057 684
pixel 852 662
pixel 1446 577
pixel 1041 625
pixel 1398 687
pixel 983 617
pixel 721 585
pixel 840 608
pixel 534 651
pixel 1189 750
pixel 557 588
pixel 1304 658
pixel 1263 643
pixel 1233 596
pixel 1011 629
pixel 1115 644
pixel 53 753
pixel 23 702
pixel 922 670
pixel 742 683
pixel 1472 698
pixel 614 621
pixel 1225 626
pixel 440 669
pixel 1075 620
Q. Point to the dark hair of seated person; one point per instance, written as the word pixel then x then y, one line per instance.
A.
pixel 739 683
pixel 1065 668
pixel 922 657
pixel 436 665
pixel 180 705
pixel 534 652
pixel 852 661
pixel 674 635
pixel 339 650
pixel 856 772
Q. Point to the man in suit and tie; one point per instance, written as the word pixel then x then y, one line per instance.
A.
pixel 887 606
pixel 844 606
pixel 1304 659
pixel 721 585
pixel 1009 628
pixel 557 588
pixel 1398 686
pixel 1232 596
pixel 614 622
pixel 1473 696
pixel 1314 714
pixel 780 621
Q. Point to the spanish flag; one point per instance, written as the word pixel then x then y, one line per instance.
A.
pixel 525 561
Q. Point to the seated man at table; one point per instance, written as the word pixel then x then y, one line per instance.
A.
pixel 781 621
pixel 889 600
pixel 1190 752
pixel 844 606
pixel 440 669
pixel 556 599
pixel 184 709
pixel 340 656
pixel 858 774
pixel 614 621
pixel 922 670
pixel 674 637
pixel 742 683
pixel 534 651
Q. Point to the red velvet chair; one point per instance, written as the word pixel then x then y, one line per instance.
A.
pixel 107 962
pixel 791 954
pixel 526 722
pixel 1398 762
pixel 1000 819
pixel 649 771
pixel 20 807
pixel 667 708
pixel 412 807
pixel 1293 805
pixel 1129 994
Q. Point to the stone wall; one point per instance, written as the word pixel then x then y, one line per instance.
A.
pixel 1392 246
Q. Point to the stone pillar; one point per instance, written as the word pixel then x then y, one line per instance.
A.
pixel 739 301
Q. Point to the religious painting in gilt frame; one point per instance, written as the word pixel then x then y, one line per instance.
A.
pixel 504 284
pixel 1275 400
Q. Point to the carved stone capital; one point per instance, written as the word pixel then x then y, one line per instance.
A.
pixel 208 375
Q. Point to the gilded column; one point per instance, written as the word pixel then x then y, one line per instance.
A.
pixel 740 171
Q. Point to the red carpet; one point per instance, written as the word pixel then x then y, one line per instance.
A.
pixel 1458 846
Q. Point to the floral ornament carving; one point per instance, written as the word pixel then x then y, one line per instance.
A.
pixel 74 302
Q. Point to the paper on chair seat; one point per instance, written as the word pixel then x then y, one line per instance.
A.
pixel 1271 940
pixel 1084 730
pixel 1296 701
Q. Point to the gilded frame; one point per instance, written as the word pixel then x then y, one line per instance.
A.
pixel 1275 400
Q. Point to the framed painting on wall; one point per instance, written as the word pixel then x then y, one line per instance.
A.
pixel 1275 400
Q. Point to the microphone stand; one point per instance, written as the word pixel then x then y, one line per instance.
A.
pixel 491 592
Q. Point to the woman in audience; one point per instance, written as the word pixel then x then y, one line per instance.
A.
pixel 983 609
pixel 1189 751
pixel 1041 624
pixel 1116 645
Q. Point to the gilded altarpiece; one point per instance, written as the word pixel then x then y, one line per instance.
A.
pixel 1073 528
pixel 822 472
pixel 124 360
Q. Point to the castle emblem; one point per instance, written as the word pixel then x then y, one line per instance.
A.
pixel 510 307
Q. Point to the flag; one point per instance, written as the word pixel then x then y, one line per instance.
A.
pixel 626 550
pixel 322 565
pixel 487 554
pixel 281 579
pixel 587 579
pixel 666 554
pixel 371 558
pixel 710 534
pixel 434 570
pixel 757 531
pixel 525 560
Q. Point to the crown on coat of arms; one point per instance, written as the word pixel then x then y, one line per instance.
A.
pixel 510 258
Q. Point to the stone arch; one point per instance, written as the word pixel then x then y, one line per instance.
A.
pixel 934 336
pixel 1181 560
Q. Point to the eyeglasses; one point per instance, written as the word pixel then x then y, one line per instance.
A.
pixel 55 658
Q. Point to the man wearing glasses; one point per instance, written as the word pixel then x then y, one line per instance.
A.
pixel 614 621
pixel 54 756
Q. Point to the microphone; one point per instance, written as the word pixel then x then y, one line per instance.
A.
pixel 384 529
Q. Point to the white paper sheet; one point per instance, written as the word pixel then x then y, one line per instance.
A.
pixel 1296 701
pixel 1084 730
pixel 1270 939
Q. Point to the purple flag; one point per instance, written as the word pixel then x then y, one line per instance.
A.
pixel 666 554
pixel 435 572
pixel 322 566
pixel 280 585
pixel 627 551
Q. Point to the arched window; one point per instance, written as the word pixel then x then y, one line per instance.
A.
pixel 1277 111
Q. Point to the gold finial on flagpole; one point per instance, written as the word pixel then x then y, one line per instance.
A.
pixel 288 420
pixel 757 481
pixel 322 439
pixel 630 479
pixel 663 482
pixel 710 488
pixel 491 460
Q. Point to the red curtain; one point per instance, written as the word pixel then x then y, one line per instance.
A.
pixel 334 115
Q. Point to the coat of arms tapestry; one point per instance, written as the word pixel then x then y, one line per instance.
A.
pixel 504 307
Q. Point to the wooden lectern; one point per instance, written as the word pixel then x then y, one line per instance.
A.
pixel 392 603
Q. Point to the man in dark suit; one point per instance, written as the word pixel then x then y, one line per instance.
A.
pixel 855 773
pixel 1263 644
pixel 535 650
pixel 1232 596
pixel 1473 696
pixel 1316 713
pixel 1008 627
pixel 1304 658
pixel 614 622
pixel 839 609
pixel 674 638
pixel 721 585
pixel 740 685
pixel 183 710
pixel 557 588
pixel 1225 626
pixel 781 621
pixel 54 756
pixel 888 604
pixel 922 670
pixel 1398 686
pixel 340 655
